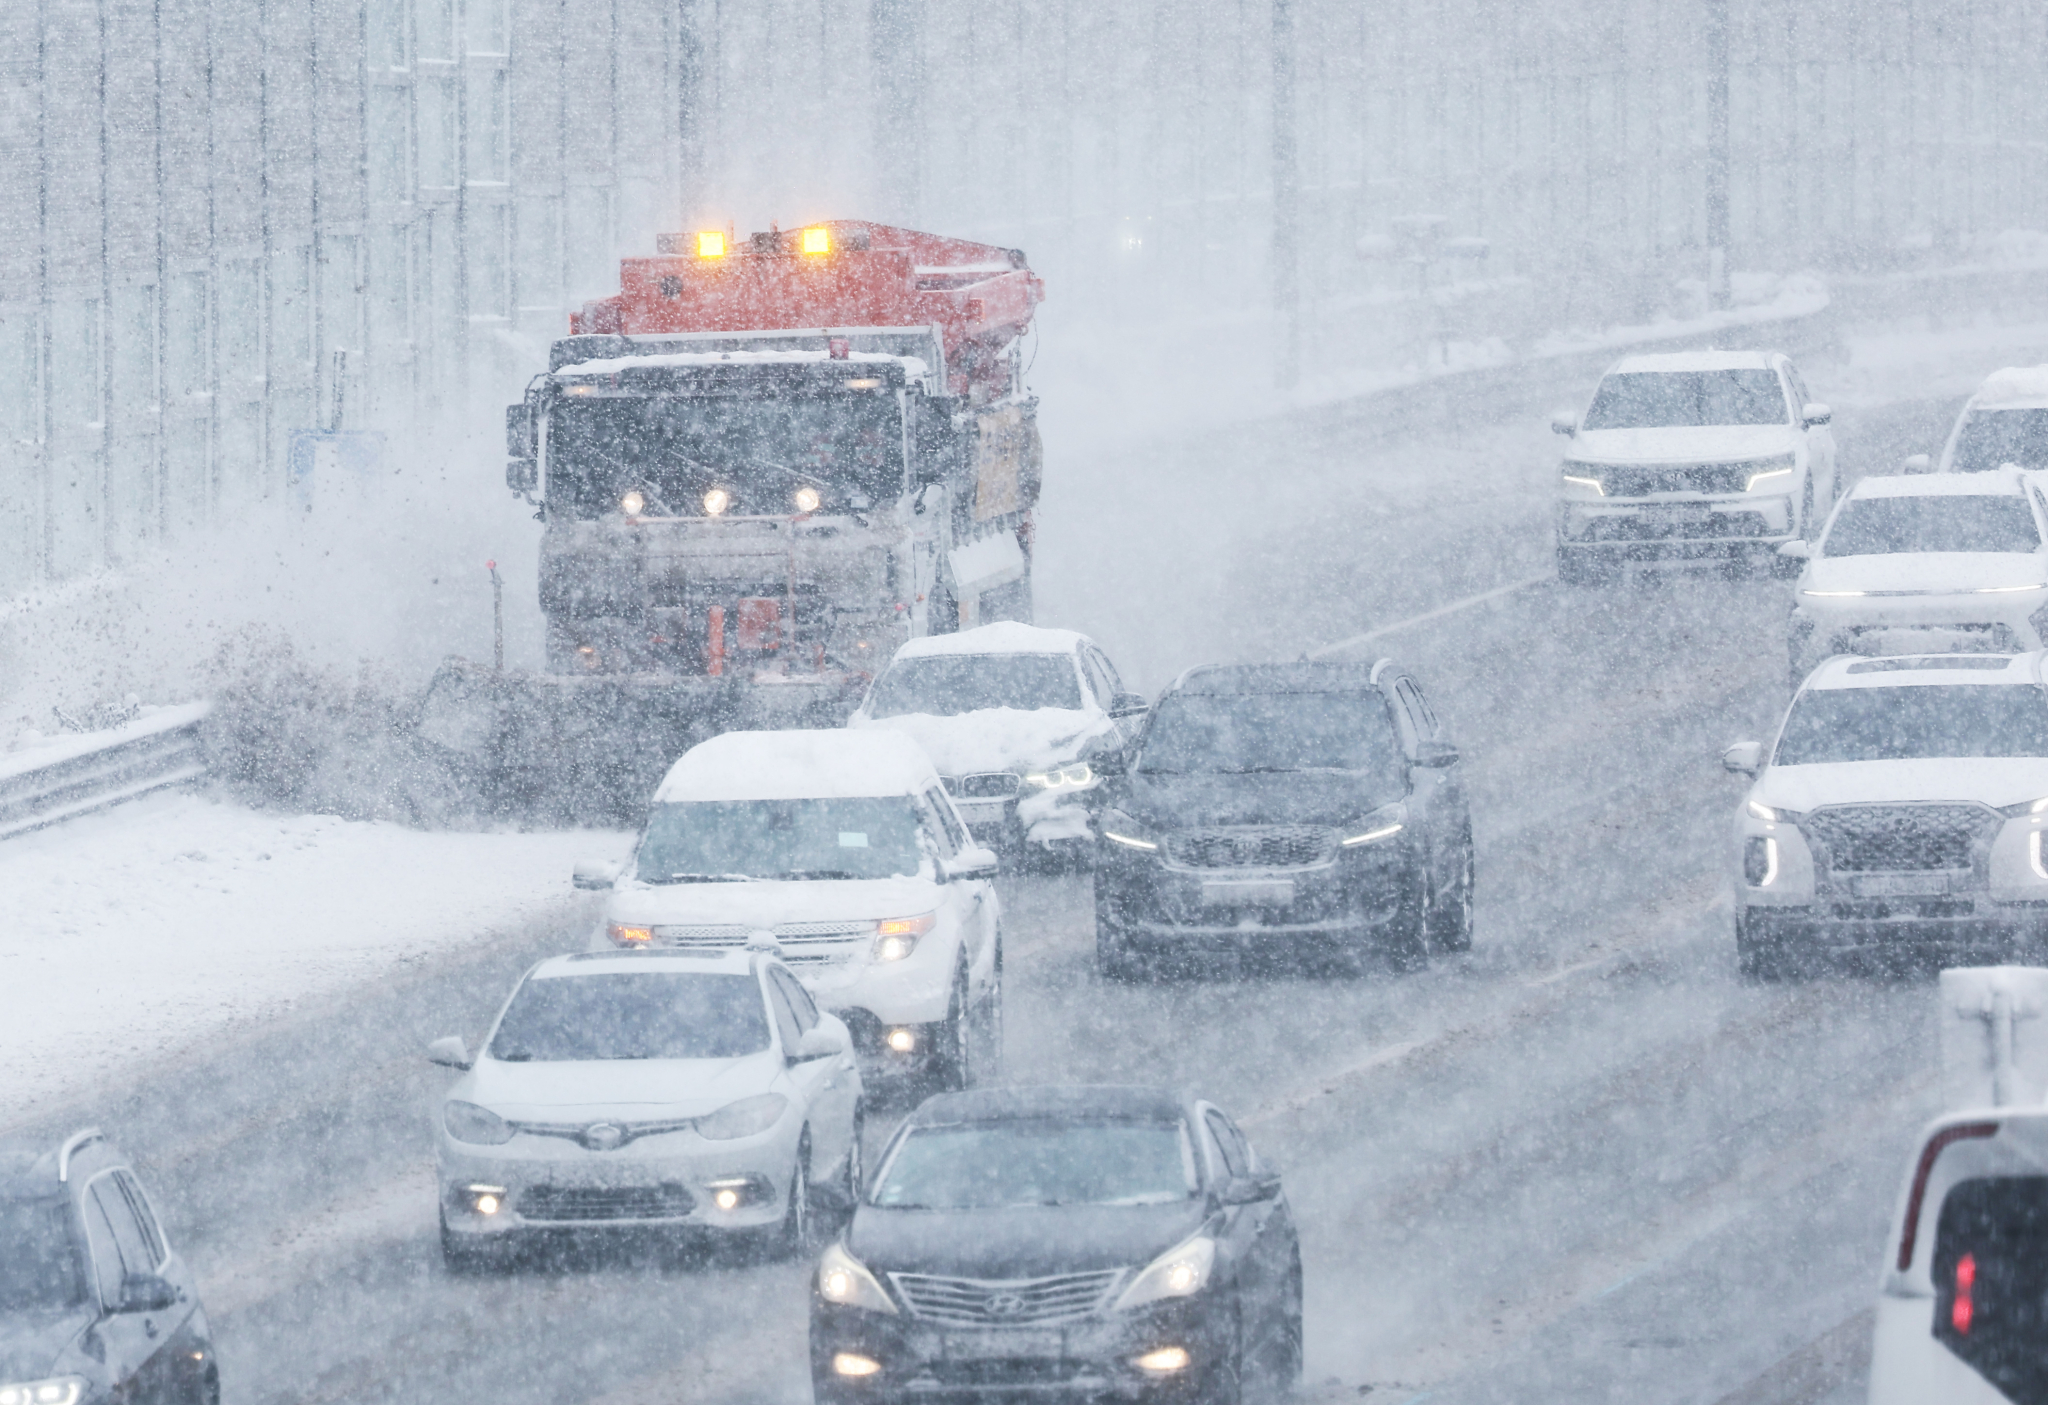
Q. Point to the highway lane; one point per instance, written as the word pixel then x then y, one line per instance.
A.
pixel 1584 1162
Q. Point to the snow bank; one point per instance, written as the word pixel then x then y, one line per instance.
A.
pixel 145 932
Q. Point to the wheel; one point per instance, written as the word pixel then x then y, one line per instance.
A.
pixel 793 1235
pixel 1285 1367
pixel 1407 942
pixel 956 1052
pixel 990 1065
pixel 1756 958
pixel 853 1175
pixel 1450 920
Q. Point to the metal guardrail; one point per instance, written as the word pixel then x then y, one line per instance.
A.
pixel 76 775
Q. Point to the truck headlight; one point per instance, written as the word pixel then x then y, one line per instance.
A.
pixel 479 1126
pixel 1180 1272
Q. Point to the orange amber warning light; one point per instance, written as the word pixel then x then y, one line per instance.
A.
pixel 818 240
pixel 711 244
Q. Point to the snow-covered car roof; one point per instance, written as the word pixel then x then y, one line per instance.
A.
pixel 799 765
pixel 717 961
pixel 2015 386
pixel 1697 361
pixel 1926 670
pixel 1002 637
pixel 1939 485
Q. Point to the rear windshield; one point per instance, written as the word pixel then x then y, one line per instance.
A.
pixel 946 685
pixel 1993 438
pixel 1687 399
pixel 1234 733
pixel 1884 526
pixel 641 1015
pixel 1991 1280
pixel 711 841
pixel 39 1271
pixel 1935 720
pixel 1027 1164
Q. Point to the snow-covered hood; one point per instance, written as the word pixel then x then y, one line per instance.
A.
pixel 1994 781
pixel 996 738
pixel 1704 444
pixel 1935 572
pixel 633 1090
pixel 768 902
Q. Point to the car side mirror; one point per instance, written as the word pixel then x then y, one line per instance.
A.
pixel 595 875
pixel 449 1051
pixel 1435 754
pixel 1249 1190
pixel 1796 550
pixel 146 1292
pixel 971 864
pixel 817 1042
pixel 522 448
pixel 1743 758
pixel 1129 705
pixel 1918 463
pixel 1566 423
pixel 1817 413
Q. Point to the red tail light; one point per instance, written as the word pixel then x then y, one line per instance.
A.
pixel 1909 1232
pixel 1966 1282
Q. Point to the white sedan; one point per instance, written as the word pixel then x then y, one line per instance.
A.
pixel 648 1090
pixel 1930 562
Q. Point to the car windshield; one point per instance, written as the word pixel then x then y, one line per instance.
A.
pixel 1239 732
pixel 949 684
pixel 1928 720
pixel 39 1271
pixel 1027 1164
pixel 1884 526
pixel 697 841
pixel 636 1015
pixel 1993 438
pixel 1687 400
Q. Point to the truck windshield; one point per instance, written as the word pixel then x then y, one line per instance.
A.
pixel 1943 523
pixel 40 1271
pixel 1233 733
pixel 710 841
pixel 1899 724
pixel 1687 399
pixel 645 1015
pixel 946 685
pixel 1029 1165
pixel 1991 439
pixel 760 451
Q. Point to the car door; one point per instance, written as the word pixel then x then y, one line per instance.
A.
pixel 831 1083
pixel 804 1078
pixel 1431 789
pixel 1820 451
pixel 1244 1230
pixel 187 1358
pixel 1124 730
pixel 137 1344
pixel 968 905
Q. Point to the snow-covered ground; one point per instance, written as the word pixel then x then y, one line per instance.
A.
pixel 135 936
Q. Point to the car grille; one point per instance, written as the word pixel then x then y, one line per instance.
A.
pixel 1290 846
pixel 1628 480
pixel 1656 524
pixel 983 785
pixel 1021 1302
pixel 583 1204
pixel 803 943
pixel 1894 838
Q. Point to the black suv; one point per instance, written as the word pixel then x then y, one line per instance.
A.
pixel 94 1304
pixel 1275 806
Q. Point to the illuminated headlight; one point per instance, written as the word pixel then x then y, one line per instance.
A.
pixel 56 1390
pixel 627 934
pixel 845 1280
pixel 749 1117
pixel 901 1040
pixel 2009 589
pixel 1761 812
pixel 807 499
pixel 1119 828
pixel 634 503
pixel 1380 825
pixel 1163 1361
pixel 1769 475
pixel 485 1199
pixel 852 1363
pixel 1180 1272
pixel 479 1126
pixel 737 1192
pixel 1585 480
pixel 1064 778
pixel 896 937
pixel 716 502
pixel 1835 594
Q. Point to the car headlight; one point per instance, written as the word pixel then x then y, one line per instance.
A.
pixel 1060 778
pixel 896 937
pixel 845 1280
pixel 1180 1272
pixel 746 1118
pixel 1119 828
pixel 716 502
pixel 633 503
pixel 1382 824
pixel 1761 812
pixel 2025 809
pixel 1771 475
pixel 466 1122
pixel 53 1390
pixel 1578 475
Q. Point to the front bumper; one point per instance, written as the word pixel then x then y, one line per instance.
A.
pixel 1154 906
pixel 1676 528
pixel 1094 1357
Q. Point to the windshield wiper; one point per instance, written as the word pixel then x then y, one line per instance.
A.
pixel 802 874
pixel 519 1057
pixel 703 878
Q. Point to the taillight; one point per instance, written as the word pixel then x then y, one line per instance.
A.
pixel 1966 1282
pixel 1909 1232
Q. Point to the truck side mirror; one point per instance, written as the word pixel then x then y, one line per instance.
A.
pixel 522 448
pixel 1818 413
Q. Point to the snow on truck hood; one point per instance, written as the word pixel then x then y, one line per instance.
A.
pixel 1002 637
pixel 1687 444
pixel 1994 781
pixel 994 738
pixel 798 765
pixel 632 1089
pixel 1932 571
pixel 766 902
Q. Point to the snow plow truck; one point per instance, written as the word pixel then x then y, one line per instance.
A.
pixel 760 467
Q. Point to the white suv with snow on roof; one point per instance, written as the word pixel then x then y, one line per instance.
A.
pixel 842 851
pixel 1899 814
pixel 2005 422
pixel 1688 456
pixel 1913 565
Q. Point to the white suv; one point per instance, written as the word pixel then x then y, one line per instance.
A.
pixel 1933 562
pixel 842 851
pixel 2005 422
pixel 1690 456
pixel 1899 814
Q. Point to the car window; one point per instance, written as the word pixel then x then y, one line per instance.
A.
pixel 106 1256
pixel 785 1018
pixel 637 1015
pixel 1236 1159
pixel 1411 699
pixel 946 685
pixel 1109 673
pixel 945 825
pixel 1932 523
pixel 131 1245
pixel 1932 720
pixel 1035 1164
pixel 1687 400
pixel 1800 398
pixel 1990 439
pixel 1238 733
pixel 145 1218
pixel 800 1002
pixel 698 841
pixel 1099 681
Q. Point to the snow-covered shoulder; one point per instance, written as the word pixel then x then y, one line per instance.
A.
pixel 799 765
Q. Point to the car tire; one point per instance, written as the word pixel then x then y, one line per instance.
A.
pixel 956 1068
pixel 1757 958
pixel 1287 1353
pixel 1407 939
pixel 792 1237
pixel 1451 918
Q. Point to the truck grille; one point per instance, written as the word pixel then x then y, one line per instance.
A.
pixel 586 1204
pixel 1895 838
pixel 1288 846
pixel 1017 1302
pixel 1629 480
pixel 983 785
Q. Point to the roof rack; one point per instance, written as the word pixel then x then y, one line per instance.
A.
pixel 73 1144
